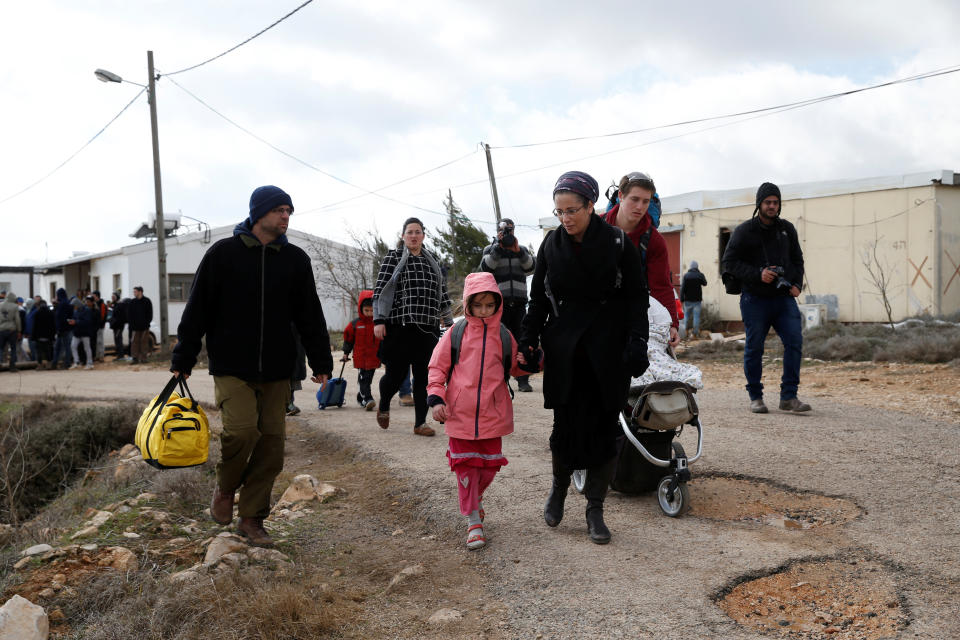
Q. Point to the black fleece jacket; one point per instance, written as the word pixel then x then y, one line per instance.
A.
pixel 754 246
pixel 244 298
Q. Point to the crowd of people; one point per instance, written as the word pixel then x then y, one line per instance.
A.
pixel 69 332
pixel 600 315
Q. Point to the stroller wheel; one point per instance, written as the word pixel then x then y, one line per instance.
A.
pixel 680 501
pixel 579 479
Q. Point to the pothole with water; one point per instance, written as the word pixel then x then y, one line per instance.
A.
pixel 753 500
pixel 848 599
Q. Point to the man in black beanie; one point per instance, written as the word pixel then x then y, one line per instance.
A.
pixel 764 255
pixel 252 350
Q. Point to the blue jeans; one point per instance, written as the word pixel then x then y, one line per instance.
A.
pixel 690 310
pixel 62 347
pixel 759 315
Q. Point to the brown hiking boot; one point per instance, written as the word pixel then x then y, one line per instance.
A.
pixel 406 401
pixel 423 430
pixel 383 419
pixel 221 507
pixel 252 529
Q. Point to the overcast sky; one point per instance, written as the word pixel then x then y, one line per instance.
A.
pixel 374 92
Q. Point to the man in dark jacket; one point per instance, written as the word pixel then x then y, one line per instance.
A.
pixel 44 332
pixel 764 255
pixel 139 316
pixel 510 263
pixel 252 351
pixel 62 314
pixel 691 295
pixel 118 319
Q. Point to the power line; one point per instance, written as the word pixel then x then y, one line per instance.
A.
pixel 235 47
pixel 398 182
pixel 633 146
pixel 77 152
pixel 307 164
pixel 800 103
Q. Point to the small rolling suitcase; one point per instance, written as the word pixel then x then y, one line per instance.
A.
pixel 333 391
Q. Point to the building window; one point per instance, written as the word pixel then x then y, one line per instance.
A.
pixel 180 284
pixel 95 280
pixel 724 237
pixel 116 283
pixel 5 286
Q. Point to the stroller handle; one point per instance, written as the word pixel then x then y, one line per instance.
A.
pixel 652 459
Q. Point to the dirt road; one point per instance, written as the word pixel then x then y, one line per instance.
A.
pixel 846 493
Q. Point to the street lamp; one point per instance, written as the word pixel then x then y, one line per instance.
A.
pixel 107 76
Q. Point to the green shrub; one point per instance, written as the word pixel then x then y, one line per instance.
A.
pixel 47 444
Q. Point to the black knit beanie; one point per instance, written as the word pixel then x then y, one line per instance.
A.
pixel 766 190
pixel 265 199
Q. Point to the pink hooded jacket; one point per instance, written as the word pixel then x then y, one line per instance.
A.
pixel 478 401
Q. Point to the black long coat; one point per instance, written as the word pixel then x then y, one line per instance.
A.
pixel 601 303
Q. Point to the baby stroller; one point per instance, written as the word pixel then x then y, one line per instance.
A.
pixel 648 457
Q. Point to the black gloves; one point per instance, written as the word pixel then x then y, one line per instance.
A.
pixel 532 355
pixel 635 357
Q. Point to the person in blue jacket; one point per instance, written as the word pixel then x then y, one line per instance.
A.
pixel 84 323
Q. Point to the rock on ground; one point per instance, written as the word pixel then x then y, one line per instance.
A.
pixel 444 616
pixel 20 619
pixel 305 487
pixel 36 549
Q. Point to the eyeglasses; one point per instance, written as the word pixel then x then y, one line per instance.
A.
pixel 566 212
pixel 286 210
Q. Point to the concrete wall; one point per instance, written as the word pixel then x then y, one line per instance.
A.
pixel 18 283
pixel 948 251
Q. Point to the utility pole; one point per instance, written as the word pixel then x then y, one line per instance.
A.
pixel 493 183
pixel 158 197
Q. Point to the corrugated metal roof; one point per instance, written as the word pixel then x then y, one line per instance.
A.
pixel 702 200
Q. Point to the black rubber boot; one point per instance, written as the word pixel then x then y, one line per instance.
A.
pixel 595 490
pixel 553 511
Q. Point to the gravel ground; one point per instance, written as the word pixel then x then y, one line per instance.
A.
pixel 659 576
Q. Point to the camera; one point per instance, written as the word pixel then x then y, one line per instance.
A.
pixel 781 282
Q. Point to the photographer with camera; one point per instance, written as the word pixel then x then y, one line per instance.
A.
pixel 510 263
pixel 764 256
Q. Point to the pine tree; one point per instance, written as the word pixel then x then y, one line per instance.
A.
pixel 460 245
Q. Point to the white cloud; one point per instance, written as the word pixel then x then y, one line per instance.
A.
pixel 373 92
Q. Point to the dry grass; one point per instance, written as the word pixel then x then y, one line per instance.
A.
pixel 253 603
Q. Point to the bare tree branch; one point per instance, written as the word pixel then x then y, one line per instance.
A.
pixel 879 273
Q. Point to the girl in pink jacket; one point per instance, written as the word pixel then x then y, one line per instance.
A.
pixel 471 397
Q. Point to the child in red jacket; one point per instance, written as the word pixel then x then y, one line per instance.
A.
pixel 358 337
pixel 471 398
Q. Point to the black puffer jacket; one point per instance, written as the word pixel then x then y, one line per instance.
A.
pixel 253 342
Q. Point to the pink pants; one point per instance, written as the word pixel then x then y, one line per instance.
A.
pixel 471 483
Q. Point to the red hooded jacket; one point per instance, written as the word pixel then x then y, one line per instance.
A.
pixel 358 337
pixel 658 262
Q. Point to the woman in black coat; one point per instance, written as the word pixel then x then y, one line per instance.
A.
pixel 588 310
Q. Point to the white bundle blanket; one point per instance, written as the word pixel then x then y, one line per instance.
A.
pixel 662 365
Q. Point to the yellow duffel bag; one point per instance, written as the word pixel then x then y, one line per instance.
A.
pixel 173 431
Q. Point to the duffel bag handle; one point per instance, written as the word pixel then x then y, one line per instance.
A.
pixel 185 391
pixel 164 396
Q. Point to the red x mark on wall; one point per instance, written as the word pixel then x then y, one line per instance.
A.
pixel 956 270
pixel 919 273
